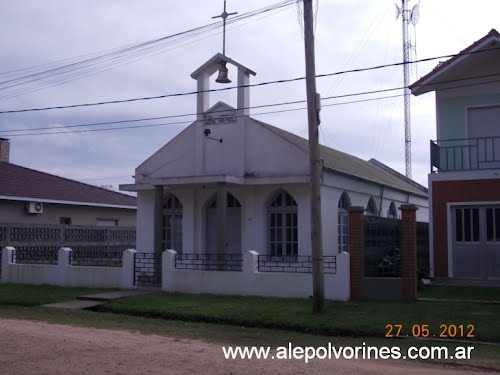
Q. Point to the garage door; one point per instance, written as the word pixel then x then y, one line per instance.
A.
pixel 476 242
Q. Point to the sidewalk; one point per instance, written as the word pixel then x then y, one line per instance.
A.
pixel 92 300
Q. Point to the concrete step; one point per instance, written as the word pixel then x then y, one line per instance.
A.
pixel 75 305
pixel 110 296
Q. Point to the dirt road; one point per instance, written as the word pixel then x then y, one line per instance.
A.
pixel 40 348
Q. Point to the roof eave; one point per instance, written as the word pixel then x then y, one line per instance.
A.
pixel 330 169
pixel 73 203
pixel 427 82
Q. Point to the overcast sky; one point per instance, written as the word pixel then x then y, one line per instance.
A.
pixel 349 34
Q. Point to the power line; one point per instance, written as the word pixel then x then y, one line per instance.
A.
pixel 249 85
pixel 97 61
pixel 267 105
pixel 86 71
pixel 148 118
pixel 256 114
pixel 181 122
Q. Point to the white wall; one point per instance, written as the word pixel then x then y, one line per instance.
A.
pixel 15 212
pixel 254 200
pixel 64 274
pixel 247 149
pixel 145 221
pixel 360 192
pixel 252 282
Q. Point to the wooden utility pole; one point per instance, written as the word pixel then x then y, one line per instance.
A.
pixel 313 106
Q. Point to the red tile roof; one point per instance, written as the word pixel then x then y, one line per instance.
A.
pixel 21 182
pixel 442 65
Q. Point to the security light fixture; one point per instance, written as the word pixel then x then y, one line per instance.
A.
pixel 207 136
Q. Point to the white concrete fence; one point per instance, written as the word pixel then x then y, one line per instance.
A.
pixel 252 282
pixel 249 281
pixel 65 274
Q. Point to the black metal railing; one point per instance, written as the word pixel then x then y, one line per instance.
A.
pixel 33 234
pixel 382 255
pixel 147 269
pixel 92 237
pixel 42 255
pixel 294 264
pixel 209 262
pixel 423 249
pixel 383 262
pixel 96 258
pixel 465 154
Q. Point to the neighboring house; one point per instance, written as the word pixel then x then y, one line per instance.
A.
pixel 28 196
pixel 464 183
pixel 229 183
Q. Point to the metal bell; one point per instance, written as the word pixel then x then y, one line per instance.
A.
pixel 222 78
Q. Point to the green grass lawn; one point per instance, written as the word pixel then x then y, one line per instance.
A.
pixel 33 295
pixel 340 319
pixel 462 293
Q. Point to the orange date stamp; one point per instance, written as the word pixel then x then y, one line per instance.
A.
pixel 444 331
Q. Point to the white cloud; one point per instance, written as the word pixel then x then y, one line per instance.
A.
pixel 349 34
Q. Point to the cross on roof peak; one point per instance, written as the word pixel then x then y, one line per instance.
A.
pixel 224 15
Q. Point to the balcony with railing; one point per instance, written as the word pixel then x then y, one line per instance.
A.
pixel 466 154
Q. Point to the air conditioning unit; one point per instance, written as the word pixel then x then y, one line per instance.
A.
pixel 34 207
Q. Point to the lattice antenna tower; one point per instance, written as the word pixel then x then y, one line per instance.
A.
pixel 408 16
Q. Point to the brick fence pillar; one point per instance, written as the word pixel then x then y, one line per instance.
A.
pixel 409 250
pixel 356 250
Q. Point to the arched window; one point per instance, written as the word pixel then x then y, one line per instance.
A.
pixel 172 223
pixel 393 211
pixel 371 209
pixel 343 222
pixel 282 216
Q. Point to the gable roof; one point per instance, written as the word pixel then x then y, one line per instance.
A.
pixel 353 166
pixel 21 182
pixel 421 86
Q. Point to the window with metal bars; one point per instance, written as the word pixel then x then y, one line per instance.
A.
pixel 283 228
pixel 393 211
pixel 172 224
pixel 467 224
pixel 493 224
pixel 371 208
pixel 343 223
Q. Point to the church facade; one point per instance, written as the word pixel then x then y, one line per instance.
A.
pixel 228 184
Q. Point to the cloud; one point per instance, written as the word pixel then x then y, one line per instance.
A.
pixel 349 34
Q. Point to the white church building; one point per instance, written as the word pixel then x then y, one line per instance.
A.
pixel 228 184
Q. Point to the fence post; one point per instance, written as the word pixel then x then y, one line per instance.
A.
pixel 6 261
pixel 168 270
pixel 250 262
pixel 63 265
pixel 250 269
pixel 356 251
pixel 128 271
pixel 409 250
